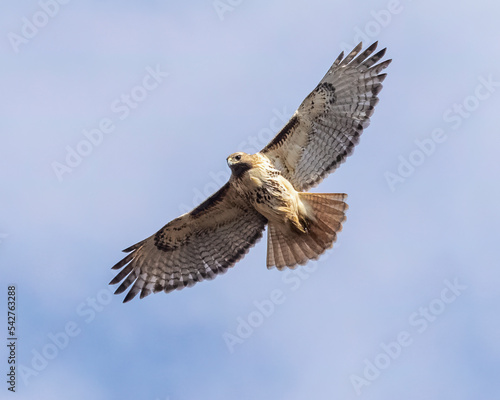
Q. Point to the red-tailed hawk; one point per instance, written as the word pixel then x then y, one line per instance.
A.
pixel 267 188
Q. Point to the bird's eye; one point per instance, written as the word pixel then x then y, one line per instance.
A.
pixel 237 158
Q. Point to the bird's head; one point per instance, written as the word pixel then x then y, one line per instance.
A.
pixel 239 163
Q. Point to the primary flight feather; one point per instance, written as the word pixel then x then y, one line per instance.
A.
pixel 267 188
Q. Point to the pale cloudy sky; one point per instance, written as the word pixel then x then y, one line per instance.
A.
pixel 405 306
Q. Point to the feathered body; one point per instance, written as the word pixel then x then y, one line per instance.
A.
pixel 267 190
pixel 301 225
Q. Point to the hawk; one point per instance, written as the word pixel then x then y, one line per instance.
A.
pixel 268 188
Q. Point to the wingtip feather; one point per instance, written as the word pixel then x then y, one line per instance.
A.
pixel 123 262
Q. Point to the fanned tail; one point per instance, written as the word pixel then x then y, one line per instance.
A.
pixel 287 248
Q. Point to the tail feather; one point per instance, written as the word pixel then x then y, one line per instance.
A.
pixel 282 251
pixel 296 254
pixel 274 244
pixel 308 252
pixel 325 215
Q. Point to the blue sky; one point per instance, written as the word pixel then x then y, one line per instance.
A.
pixel 406 305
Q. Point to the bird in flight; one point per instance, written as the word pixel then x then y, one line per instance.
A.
pixel 268 188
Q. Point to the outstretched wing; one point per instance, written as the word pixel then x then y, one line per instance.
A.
pixel 328 123
pixel 196 246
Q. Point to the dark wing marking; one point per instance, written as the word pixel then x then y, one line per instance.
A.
pixel 328 123
pixel 216 198
pixel 196 246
